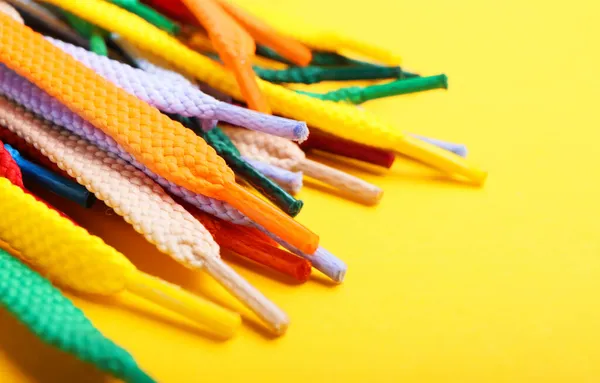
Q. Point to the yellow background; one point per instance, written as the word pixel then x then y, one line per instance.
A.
pixel 446 283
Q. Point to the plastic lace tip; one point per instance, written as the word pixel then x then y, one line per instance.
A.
pixel 218 320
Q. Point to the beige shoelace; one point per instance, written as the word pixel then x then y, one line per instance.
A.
pixel 285 154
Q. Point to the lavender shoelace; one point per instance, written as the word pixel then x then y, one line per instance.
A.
pixel 28 95
pixel 176 95
pixel 291 181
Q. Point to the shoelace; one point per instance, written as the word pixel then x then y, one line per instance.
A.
pixel 53 182
pixel 30 96
pixel 148 14
pixel 47 313
pixel 69 256
pixel 314 74
pixel 235 46
pixel 285 154
pixel 343 120
pixel 248 246
pixel 163 145
pixel 288 180
pixel 9 10
pixel 49 20
pixel 9 168
pixel 29 151
pixel 94 35
pixel 181 97
pixel 274 193
pixel 322 38
pixel 335 145
pixel 11 171
pixel 264 34
pixel 360 94
pixel 142 203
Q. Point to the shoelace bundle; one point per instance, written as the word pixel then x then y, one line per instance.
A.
pixel 28 95
pixel 142 203
pixel 47 313
pixel 285 154
pixel 345 121
pixel 181 97
pixel 163 145
pixel 69 256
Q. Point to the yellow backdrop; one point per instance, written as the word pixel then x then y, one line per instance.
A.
pixel 446 283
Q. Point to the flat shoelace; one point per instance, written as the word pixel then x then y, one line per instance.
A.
pixel 287 155
pixel 163 145
pixel 70 256
pixel 142 203
pixel 181 97
pixel 343 120
pixel 51 316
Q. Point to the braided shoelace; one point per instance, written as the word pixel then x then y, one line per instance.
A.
pixel 285 154
pixel 71 257
pixel 313 75
pixel 343 120
pixel 142 203
pixel 163 145
pixel 53 182
pixel 56 321
pixel 271 190
pixel 29 151
pixel 181 97
pixel 9 168
pixel 290 181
